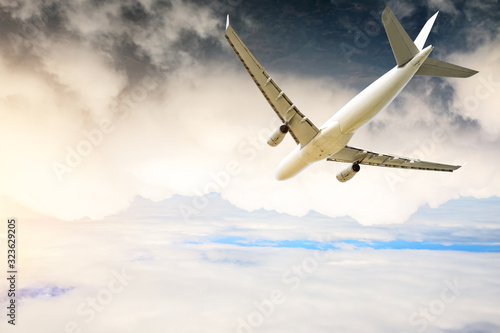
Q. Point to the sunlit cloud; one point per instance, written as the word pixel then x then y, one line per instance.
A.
pixel 94 123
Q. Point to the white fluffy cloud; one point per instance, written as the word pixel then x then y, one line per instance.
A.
pixel 83 138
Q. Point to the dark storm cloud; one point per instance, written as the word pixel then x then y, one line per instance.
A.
pixel 334 36
pixel 126 30
pixel 136 13
pixel 338 38
pixel 346 40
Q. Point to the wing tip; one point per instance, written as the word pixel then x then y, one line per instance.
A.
pixel 386 13
pixel 227 21
pixel 472 72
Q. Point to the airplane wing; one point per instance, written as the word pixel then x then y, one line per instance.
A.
pixel 300 127
pixel 350 154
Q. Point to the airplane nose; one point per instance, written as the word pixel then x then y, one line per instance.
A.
pixel 290 166
pixel 282 174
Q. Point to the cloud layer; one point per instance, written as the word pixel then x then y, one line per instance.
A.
pixel 147 269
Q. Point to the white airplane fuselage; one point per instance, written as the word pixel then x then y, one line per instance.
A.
pixel 336 132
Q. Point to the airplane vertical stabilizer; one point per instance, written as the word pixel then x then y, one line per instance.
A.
pixel 402 46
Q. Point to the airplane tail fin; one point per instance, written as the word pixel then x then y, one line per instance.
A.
pixel 405 49
pixel 402 46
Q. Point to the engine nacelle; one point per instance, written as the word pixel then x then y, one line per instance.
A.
pixel 347 173
pixel 277 135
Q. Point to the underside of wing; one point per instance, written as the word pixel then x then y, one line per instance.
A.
pixel 300 127
pixel 350 154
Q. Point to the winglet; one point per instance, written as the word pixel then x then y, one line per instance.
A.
pixel 227 21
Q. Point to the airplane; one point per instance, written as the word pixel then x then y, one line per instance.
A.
pixel 330 141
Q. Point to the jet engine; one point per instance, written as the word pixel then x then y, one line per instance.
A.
pixel 347 173
pixel 277 135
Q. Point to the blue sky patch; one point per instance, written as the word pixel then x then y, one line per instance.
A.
pixel 45 292
pixel 377 245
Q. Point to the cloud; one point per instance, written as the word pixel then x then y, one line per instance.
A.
pixel 108 106
pixel 143 105
pixel 444 5
pixel 477 97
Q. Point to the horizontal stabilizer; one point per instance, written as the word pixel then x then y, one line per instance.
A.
pixel 402 46
pixel 434 67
